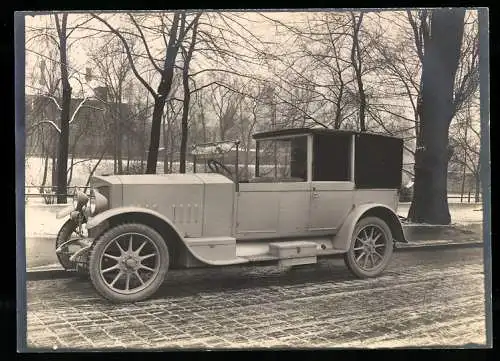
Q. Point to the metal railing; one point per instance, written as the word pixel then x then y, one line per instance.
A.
pixel 469 197
pixel 49 193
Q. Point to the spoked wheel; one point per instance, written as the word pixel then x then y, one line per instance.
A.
pixel 67 232
pixel 371 248
pixel 128 263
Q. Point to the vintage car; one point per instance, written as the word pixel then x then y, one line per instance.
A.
pixel 314 193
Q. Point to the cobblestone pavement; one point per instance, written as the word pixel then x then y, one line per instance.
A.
pixel 425 298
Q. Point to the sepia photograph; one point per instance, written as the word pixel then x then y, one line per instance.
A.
pixel 262 179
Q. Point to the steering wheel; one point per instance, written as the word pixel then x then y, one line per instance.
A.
pixel 217 167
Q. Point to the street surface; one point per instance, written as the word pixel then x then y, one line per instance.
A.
pixel 425 298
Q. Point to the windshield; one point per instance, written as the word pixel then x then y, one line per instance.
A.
pixel 216 157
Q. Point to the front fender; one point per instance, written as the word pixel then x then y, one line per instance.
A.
pixel 98 224
pixel 102 217
pixel 343 237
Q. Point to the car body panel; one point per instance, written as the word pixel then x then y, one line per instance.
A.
pixel 114 186
pixel 343 238
pixel 181 203
pixel 271 209
pixel 330 203
pixel 387 197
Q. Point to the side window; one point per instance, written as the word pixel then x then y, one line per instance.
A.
pixel 298 163
pixel 332 157
pixel 283 160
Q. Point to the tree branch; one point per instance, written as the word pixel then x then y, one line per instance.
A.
pixel 143 38
pixel 129 54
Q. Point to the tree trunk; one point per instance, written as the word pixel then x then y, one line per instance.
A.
pixel 89 178
pixel 119 134
pixel 184 127
pixel 203 126
pixel 338 110
pixel 143 148
pixel 45 167
pixel 477 191
pixel 357 64
pixel 165 145
pixel 128 155
pixel 70 177
pixel 54 167
pixel 163 91
pixel 154 141
pixel 442 52
pixel 477 177
pixel 247 162
pixel 62 159
pixel 171 151
pixel 187 99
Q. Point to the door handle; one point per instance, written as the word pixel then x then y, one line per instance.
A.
pixel 315 195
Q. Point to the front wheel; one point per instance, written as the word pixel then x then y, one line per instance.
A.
pixel 67 232
pixel 371 248
pixel 128 263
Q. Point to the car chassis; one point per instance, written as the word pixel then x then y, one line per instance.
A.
pixel 334 193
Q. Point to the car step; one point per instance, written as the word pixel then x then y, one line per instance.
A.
pixel 294 253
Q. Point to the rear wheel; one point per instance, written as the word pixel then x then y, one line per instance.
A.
pixel 128 263
pixel 371 248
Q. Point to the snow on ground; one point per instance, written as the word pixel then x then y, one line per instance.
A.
pixel 41 220
pixel 460 213
pixel 34 168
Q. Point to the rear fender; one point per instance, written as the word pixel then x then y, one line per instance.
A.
pixel 103 221
pixel 343 238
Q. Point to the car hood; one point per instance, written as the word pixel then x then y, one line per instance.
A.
pixel 176 178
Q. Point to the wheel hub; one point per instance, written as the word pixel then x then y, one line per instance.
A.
pixel 369 247
pixel 130 263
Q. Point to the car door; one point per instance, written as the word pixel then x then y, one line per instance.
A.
pixel 330 204
pixel 257 209
pixel 276 207
pixel 272 209
pixel 332 182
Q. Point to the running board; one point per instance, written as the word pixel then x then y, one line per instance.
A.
pixel 268 257
pixel 293 253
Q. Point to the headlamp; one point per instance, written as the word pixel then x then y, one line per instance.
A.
pixel 80 199
pixel 97 202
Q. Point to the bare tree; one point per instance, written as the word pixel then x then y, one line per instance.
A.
pixel 113 69
pixel 465 140
pixel 62 154
pixel 177 32
pixel 441 60
pixel 59 39
pixel 169 118
pixel 187 56
pixel 357 64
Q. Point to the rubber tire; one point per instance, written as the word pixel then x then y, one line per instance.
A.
pixel 349 256
pixel 100 246
pixel 64 234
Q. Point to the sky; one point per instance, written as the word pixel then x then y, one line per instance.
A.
pixel 250 22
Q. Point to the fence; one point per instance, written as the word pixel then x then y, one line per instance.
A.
pixel 48 193
pixel 469 197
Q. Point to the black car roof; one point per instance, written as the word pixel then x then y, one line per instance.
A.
pixel 305 131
